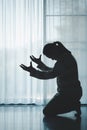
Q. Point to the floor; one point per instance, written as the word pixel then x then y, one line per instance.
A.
pixel 30 117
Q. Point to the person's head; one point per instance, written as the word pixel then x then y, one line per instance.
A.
pixel 54 50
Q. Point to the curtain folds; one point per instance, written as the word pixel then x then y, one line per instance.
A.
pixel 25 26
pixel 21 35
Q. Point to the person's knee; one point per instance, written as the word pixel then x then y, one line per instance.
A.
pixel 49 112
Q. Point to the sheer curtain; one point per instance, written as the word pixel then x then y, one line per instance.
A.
pixel 21 35
pixel 66 21
pixel 25 26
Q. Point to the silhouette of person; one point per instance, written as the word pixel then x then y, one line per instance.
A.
pixel 69 91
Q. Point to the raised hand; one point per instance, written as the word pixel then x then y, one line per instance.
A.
pixel 27 68
pixel 36 60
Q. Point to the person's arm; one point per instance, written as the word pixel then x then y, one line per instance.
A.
pixel 44 67
pixel 43 75
pixel 39 74
pixel 40 64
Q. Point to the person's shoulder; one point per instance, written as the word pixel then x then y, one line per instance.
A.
pixel 68 56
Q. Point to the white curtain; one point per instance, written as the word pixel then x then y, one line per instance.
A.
pixel 25 26
pixel 21 35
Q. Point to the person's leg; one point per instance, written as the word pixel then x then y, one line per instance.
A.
pixel 57 105
pixel 61 104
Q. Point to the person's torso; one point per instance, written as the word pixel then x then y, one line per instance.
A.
pixel 67 78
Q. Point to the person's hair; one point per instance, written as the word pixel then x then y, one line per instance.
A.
pixel 55 49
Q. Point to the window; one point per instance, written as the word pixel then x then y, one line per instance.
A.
pixel 66 21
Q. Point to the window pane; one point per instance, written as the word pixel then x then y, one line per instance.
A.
pixel 66 21
pixel 66 7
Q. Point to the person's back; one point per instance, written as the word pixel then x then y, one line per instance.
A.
pixel 67 80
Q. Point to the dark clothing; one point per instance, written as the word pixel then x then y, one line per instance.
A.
pixel 67 79
pixel 65 69
pixel 60 104
pixel 69 88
